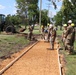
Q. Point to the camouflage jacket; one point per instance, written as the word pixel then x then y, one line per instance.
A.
pixel 53 34
pixel 69 32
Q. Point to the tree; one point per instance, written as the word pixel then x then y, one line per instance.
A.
pixel 27 9
pixel 73 2
pixel 13 20
pixel 8 20
pixel 54 3
pixel 58 18
pixel 67 12
pixel 16 20
pixel 45 19
pixel 67 9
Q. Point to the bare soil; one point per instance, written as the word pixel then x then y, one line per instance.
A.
pixel 38 61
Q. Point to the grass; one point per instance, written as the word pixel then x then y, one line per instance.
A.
pixel 35 31
pixel 71 63
pixel 37 27
pixel 70 59
pixel 11 44
pixel 59 32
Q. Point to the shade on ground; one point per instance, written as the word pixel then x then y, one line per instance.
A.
pixel 38 61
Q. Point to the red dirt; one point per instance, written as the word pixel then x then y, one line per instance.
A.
pixel 38 61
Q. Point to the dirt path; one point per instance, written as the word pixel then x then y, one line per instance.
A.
pixel 38 61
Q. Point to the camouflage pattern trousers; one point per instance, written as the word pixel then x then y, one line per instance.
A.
pixel 52 40
pixel 69 45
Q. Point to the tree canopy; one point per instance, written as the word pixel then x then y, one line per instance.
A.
pixel 67 12
pixel 45 19
pixel 27 9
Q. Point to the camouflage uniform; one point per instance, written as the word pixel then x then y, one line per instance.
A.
pixel 30 33
pixel 63 38
pixel 52 37
pixel 48 36
pixel 73 38
pixel 42 31
pixel 68 37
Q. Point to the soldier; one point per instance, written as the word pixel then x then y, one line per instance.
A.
pixel 48 25
pixel 63 35
pixel 49 29
pixel 42 31
pixel 68 37
pixel 45 33
pixel 52 36
pixel 30 33
pixel 48 36
pixel 73 35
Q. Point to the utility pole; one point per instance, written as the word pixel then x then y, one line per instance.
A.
pixel 40 15
pixel 41 9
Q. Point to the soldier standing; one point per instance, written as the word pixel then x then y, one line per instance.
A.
pixel 30 33
pixel 63 35
pixel 68 37
pixel 42 31
pixel 48 36
pixel 49 29
pixel 73 35
pixel 52 37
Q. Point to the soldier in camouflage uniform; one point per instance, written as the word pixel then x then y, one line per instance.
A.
pixel 48 36
pixel 30 33
pixel 52 37
pixel 73 35
pixel 68 37
pixel 42 32
pixel 49 29
pixel 63 35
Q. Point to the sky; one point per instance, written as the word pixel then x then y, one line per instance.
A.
pixel 52 11
pixel 9 7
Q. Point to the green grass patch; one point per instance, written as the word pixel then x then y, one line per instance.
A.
pixel 11 43
pixel 35 31
pixel 70 59
pixel 59 32
pixel 37 27
pixel 71 63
